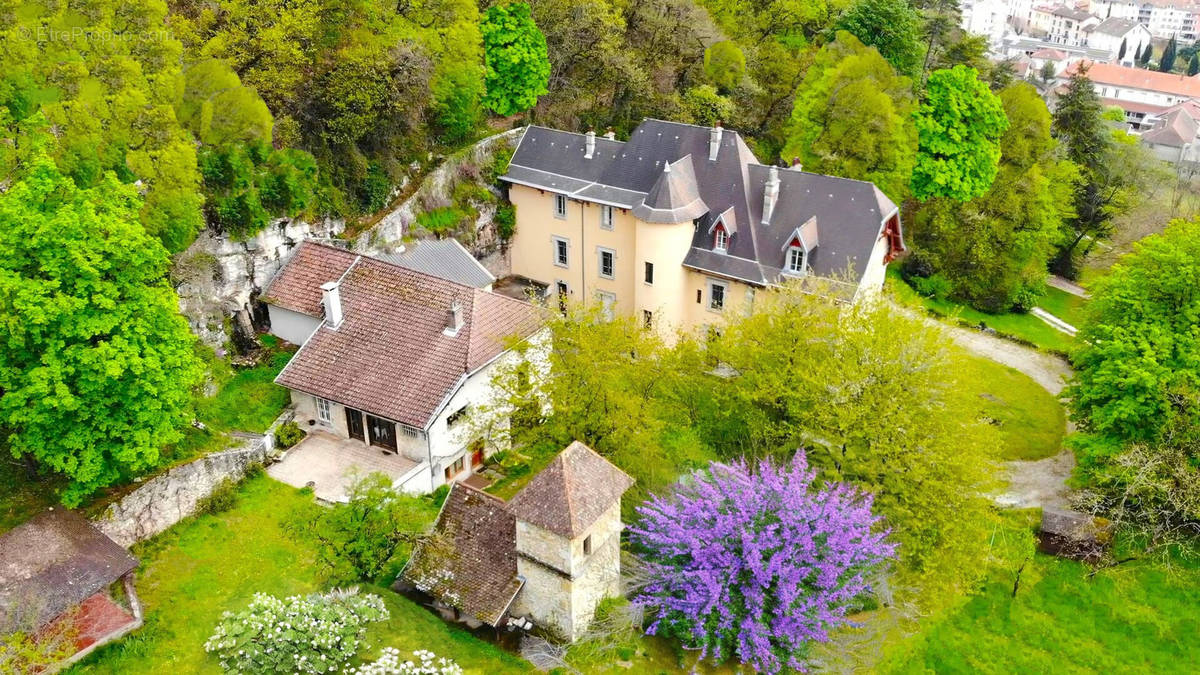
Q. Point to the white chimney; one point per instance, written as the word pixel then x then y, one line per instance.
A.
pixel 331 298
pixel 796 165
pixel 770 194
pixel 714 142
pixel 589 144
pixel 454 319
pixel 610 134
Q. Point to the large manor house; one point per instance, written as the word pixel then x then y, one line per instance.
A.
pixel 681 222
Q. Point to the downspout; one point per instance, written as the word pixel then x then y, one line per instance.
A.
pixel 582 255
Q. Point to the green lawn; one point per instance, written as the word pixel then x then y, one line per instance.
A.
pixel 1023 327
pixel 1031 421
pixel 1125 620
pixel 214 563
pixel 1064 305
pixel 249 399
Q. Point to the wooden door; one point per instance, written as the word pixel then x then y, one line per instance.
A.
pixel 477 457
pixel 381 432
pixel 354 424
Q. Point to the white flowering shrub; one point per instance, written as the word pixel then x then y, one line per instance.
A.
pixel 424 663
pixel 313 634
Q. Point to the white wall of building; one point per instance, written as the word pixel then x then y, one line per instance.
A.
pixel 291 326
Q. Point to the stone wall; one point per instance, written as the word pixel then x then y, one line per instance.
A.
pixel 169 498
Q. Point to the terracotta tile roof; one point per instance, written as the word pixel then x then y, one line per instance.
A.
pixel 298 285
pixel 52 563
pixel 1138 78
pixel 470 562
pixel 390 356
pixel 1049 54
pixel 575 489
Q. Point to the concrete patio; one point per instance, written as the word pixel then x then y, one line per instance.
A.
pixel 330 464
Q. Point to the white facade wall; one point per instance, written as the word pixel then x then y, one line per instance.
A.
pixel 291 326
pixel 1135 40
pixel 985 17
pixel 876 272
pixel 1118 9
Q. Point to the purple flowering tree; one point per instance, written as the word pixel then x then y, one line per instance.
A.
pixel 756 563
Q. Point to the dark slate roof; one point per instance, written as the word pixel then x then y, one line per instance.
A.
pixel 390 356
pixel 470 562
pixel 444 259
pixel 575 489
pixel 52 563
pixel 630 174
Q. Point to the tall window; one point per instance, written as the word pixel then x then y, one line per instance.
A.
pixel 560 251
pixel 795 261
pixel 650 273
pixel 560 206
pixel 716 295
pixel 587 545
pixel 607 300
pixel 606 217
pixel 721 243
pixel 647 318
pixel 324 411
pixel 607 258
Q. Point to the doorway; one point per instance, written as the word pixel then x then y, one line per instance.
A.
pixel 381 432
pixel 354 424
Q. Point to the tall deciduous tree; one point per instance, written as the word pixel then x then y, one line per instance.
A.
pixel 97 367
pixel 757 562
pixel 724 65
pixel 1139 342
pixel 853 118
pixel 959 125
pixel 891 26
pixel 518 67
pixel 994 249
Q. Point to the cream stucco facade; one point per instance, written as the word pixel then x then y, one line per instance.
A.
pixel 677 297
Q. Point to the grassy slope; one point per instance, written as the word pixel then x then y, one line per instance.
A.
pixel 1136 619
pixel 214 563
pixel 249 400
pixel 1024 327
pixel 1064 305
pixel 1031 421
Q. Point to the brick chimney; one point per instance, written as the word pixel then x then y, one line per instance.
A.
pixel 331 298
pixel 454 319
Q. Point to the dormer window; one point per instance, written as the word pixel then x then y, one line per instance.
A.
pixel 795 260
pixel 721 240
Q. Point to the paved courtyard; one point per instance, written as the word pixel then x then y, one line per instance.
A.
pixel 330 464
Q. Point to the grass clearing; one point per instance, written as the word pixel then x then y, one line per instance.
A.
pixel 214 563
pixel 1141 618
pixel 1025 328
pixel 249 400
pixel 1066 306
pixel 1032 422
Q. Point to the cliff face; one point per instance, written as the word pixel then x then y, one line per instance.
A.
pixel 219 279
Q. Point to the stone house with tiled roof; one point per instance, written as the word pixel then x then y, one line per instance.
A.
pixel 682 223
pixel 549 555
pixel 393 357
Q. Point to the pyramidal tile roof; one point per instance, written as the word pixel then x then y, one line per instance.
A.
pixel 571 493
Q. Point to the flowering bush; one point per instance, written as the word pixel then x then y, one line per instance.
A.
pixel 427 663
pixel 314 634
pixel 756 564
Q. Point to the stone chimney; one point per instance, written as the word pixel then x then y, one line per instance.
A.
pixel 796 165
pixel 331 298
pixel 610 134
pixel 770 195
pixel 714 142
pixel 589 144
pixel 454 319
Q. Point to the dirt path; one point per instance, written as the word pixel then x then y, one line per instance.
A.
pixel 1068 286
pixel 1036 483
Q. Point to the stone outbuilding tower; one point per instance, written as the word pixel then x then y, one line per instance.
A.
pixel 568 544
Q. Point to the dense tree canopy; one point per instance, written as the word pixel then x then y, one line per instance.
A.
pixel 724 65
pixel 959 125
pixel 97 367
pixel 993 250
pixel 518 67
pixel 853 118
pixel 891 26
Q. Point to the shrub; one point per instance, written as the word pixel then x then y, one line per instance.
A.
pixel 936 286
pixel 314 634
pixel 288 434
pixel 506 221
pixel 425 663
pixel 442 219
pixel 757 562
pixel 222 498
